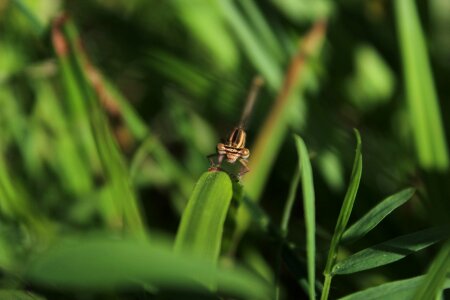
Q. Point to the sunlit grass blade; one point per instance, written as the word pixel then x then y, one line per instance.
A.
pixel 255 51
pixel 424 111
pixel 437 277
pixel 27 11
pixel 99 263
pixel 344 216
pixel 390 251
pixel 361 227
pixel 201 227
pixel 206 24
pixel 399 289
pixel 310 213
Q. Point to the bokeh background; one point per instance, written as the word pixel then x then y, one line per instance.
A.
pixel 172 78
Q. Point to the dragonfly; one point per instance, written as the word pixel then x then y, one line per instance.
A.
pixel 234 150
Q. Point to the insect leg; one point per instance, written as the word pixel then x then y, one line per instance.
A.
pixel 245 168
pixel 220 159
pixel 213 166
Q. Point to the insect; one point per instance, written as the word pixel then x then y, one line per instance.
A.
pixel 233 150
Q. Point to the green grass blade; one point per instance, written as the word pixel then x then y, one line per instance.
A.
pixel 275 127
pixel 100 263
pixel 424 111
pixel 264 30
pixel 256 53
pixel 437 276
pixel 19 295
pixel 361 227
pixel 344 216
pixel 390 251
pixel 310 213
pixel 72 168
pixel 206 24
pixel 399 289
pixel 201 227
pixel 28 12
pixel 121 196
pixel 15 205
pixel 131 118
pixel 75 103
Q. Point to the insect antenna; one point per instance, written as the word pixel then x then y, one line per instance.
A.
pixel 250 102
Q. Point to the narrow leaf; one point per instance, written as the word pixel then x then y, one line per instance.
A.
pixel 361 227
pixel 100 263
pixel 347 206
pixel 399 289
pixel 256 52
pixel 436 279
pixel 423 104
pixel 344 216
pixel 390 251
pixel 121 197
pixel 309 211
pixel 201 227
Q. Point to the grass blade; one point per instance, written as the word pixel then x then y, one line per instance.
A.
pixel 101 263
pixel 399 289
pixel 437 276
pixel 123 209
pixel 275 127
pixel 256 52
pixel 15 205
pixel 425 115
pixel 201 227
pixel 19 295
pixel 361 227
pixel 310 214
pixel 344 216
pixel 390 251
pixel 263 29
pixel 26 10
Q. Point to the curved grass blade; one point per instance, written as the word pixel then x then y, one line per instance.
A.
pixel 424 111
pixel 344 216
pixel 437 277
pixel 390 251
pixel 201 227
pixel 361 227
pixel 310 214
pixel 101 263
pixel 399 289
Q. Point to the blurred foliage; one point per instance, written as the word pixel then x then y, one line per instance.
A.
pixel 109 108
